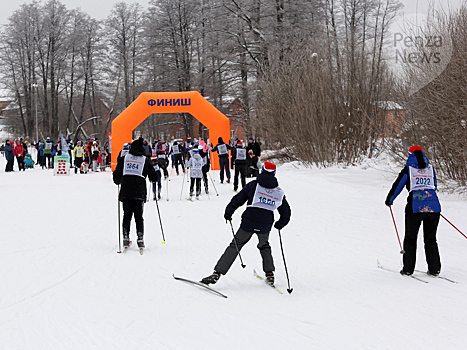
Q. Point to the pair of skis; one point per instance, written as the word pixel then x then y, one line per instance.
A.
pixel 417 277
pixel 207 287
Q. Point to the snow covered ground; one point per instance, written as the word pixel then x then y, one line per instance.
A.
pixel 63 285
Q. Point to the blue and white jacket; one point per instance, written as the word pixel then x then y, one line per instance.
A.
pixel 424 200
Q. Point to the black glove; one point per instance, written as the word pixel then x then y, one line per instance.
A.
pixel 228 217
pixel 387 202
pixel 278 225
pixel 211 146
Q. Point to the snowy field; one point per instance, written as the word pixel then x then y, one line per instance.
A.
pixel 63 285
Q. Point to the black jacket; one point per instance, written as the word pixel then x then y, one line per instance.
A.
pixel 255 147
pixel 258 220
pixel 215 149
pixel 134 187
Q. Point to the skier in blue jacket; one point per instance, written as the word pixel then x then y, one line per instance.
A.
pixel 419 178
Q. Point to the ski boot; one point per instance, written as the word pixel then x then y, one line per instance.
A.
pixel 126 240
pixel 270 278
pixel 140 243
pixel 212 279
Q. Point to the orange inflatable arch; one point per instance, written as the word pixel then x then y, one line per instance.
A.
pixel 168 102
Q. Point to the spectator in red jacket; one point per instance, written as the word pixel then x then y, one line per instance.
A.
pixel 18 151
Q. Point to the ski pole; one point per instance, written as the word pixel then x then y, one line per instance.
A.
pixel 181 192
pixel 453 225
pixel 119 233
pixel 394 221
pixel 167 185
pixel 160 221
pixel 212 183
pixel 290 290
pixel 236 246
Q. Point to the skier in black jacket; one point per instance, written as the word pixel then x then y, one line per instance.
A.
pixel 262 196
pixel 130 173
pixel 223 150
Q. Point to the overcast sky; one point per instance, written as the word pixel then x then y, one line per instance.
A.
pixel 100 9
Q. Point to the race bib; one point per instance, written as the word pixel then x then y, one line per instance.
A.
pixel 48 145
pixel 134 165
pixel 422 179
pixel 267 198
pixel 161 156
pixel 79 151
pixel 156 167
pixel 175 149
pixel 241 154
pixel 222 149
pixel 197 164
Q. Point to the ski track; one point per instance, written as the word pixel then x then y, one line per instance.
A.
pixel 65 287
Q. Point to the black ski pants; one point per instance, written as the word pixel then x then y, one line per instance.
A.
pixel 430 226
pixel 197 181
pixel 205 170
pixel 242 237
pixel 178 161
pixel 224 165
pixel 240 169
pixel 133 207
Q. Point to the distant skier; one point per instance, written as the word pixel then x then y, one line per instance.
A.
pixel 223 150
pixel 130 173
pixel 204 153
pixel 418 177
pixel 241 165
pixel 158 165
pixel 177 152
pixel 195 164
pixel 262 195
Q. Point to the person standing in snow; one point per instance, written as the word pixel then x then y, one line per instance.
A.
pixel 223 150
pixel 48 149
pixel 195 164
pixel 241 165
pixel 177 152
pixel 78 155
pixel 130 173
pixel 204 153
pixel 9 156
pixel 418 177
pixel 158 164
pixel 254 146
pixel 262 195
pixel 18 151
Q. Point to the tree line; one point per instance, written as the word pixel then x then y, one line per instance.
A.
pixel 313 77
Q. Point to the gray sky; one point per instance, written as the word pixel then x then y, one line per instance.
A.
pixel 100 9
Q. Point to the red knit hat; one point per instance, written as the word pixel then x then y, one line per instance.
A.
pixel 239 144
pixel 415 148
pixel 269 167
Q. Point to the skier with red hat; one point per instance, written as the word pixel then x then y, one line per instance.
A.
pixel 262 195
pixel 418 177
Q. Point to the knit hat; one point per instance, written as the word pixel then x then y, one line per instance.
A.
pixel 200 148
pixel 415 148
pixel 239 144
pixel 269 168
